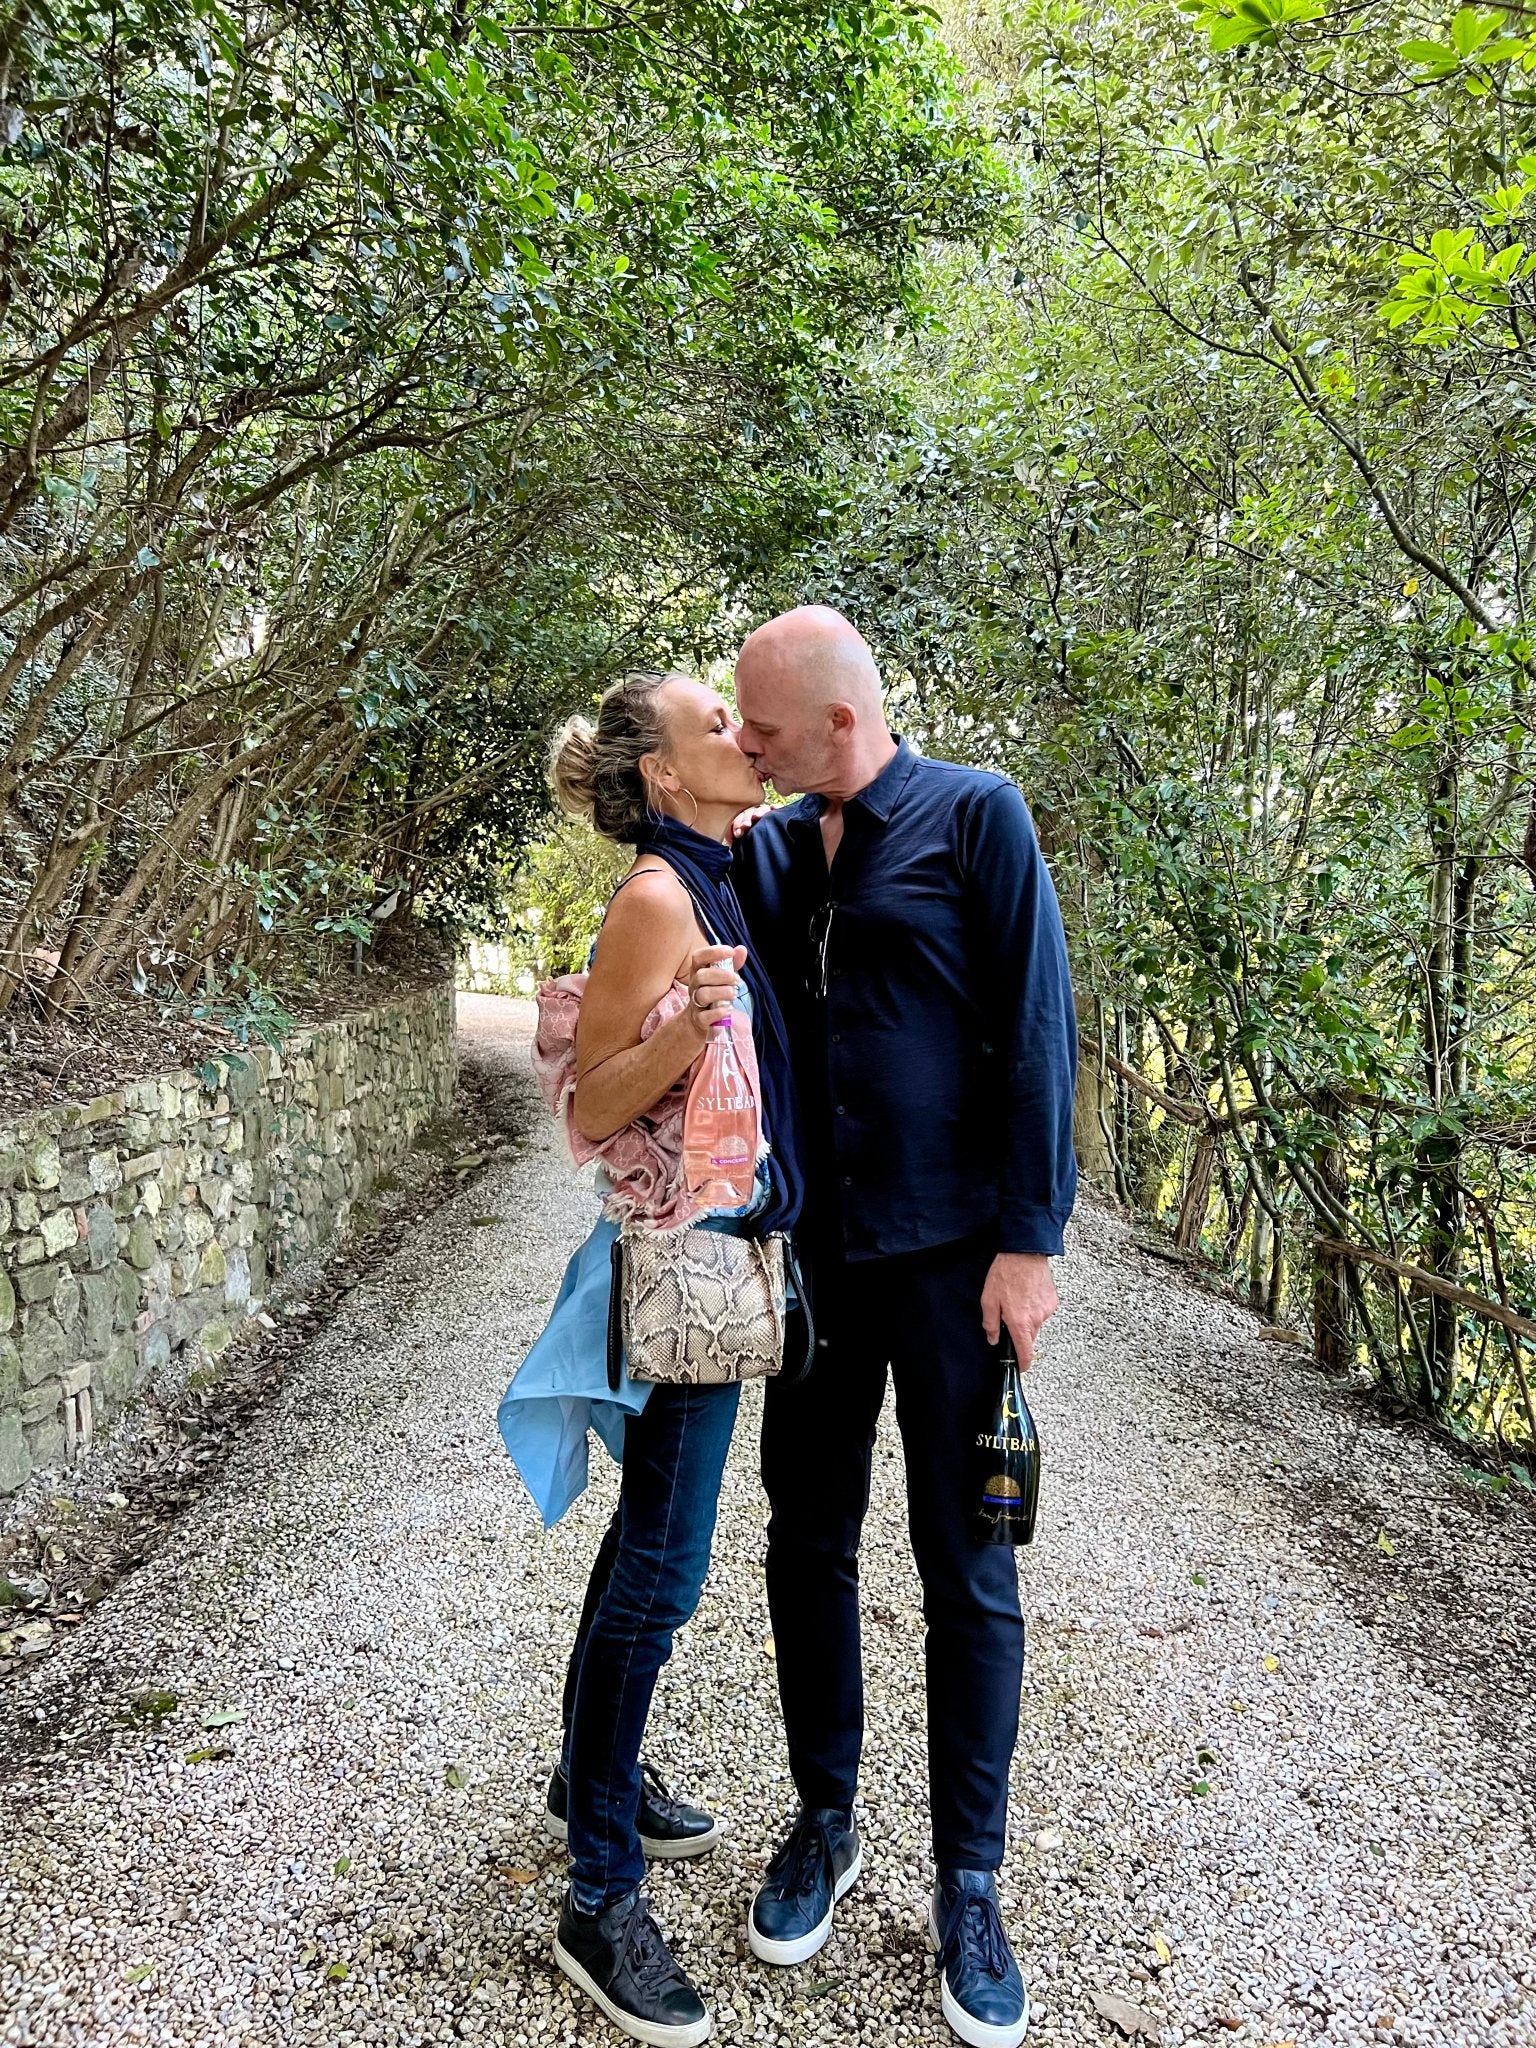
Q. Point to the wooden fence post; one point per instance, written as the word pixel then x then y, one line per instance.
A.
pixel 1332 1342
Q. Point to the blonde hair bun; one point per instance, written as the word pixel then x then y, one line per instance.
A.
pixel 573 766
pixel 595 768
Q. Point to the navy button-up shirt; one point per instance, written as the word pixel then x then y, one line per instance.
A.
pixel 937 1071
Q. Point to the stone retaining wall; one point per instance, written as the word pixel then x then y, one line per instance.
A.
pixel 150 1220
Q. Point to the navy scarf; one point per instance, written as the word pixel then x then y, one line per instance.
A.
pixel 703 866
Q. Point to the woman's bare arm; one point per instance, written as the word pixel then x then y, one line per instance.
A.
pixel 649 940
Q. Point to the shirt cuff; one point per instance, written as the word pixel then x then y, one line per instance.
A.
pixel 1033 1230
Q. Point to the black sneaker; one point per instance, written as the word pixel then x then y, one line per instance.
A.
pixel 668 1827
pixel 791 1913
pixel 621 1960
pixel 980 1987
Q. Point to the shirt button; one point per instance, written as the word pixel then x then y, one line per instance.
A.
pixel 837 1038
pixel 847 1180
pixel 841 1110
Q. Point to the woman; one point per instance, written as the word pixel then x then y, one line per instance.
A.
pixel 660 771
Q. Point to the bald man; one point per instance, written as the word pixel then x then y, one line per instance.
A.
pixel 909 925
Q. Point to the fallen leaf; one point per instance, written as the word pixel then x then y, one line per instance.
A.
pixel 483 1222
pixel 223 1717
pixel 454 1776
pixel 769 1646
pixel 1385 1544
pixel 1161 1950
pixel 336 1973
pixel 341 1866
pixel 139 1972
pixel 23 1592
pixel 513 1873
pixel 151 1706
pixel 1228 2020
pixel 1130 2019
pixel 1410 586
pixel 821 1987
pixel 1205 1756
pixel 216 1755
pixel 1271 1663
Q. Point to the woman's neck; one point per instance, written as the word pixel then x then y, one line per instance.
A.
pixel 714 821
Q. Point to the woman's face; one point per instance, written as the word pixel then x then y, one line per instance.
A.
pixel 701 758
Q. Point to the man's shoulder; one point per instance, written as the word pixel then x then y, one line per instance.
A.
pixel 766 845
pixel 771 829
pixel 953 781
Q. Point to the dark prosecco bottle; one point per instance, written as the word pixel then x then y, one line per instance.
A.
pixel 1008 1460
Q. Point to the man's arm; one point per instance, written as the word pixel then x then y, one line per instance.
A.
pixel 1023 965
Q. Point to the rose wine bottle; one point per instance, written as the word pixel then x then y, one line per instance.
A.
pixel 1008 1460
pixel 720 1126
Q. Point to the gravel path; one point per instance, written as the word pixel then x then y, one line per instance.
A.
pixel 1274 1784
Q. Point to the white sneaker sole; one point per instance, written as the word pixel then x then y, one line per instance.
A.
pixel 637 2030
pixel 783 1953
pixel 658 1850
pixel 976 2033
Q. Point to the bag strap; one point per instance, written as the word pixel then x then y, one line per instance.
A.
pixel 803 1299
pixel 616 1313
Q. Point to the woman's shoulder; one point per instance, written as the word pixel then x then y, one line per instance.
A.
pixel 649 903
pixel 647 936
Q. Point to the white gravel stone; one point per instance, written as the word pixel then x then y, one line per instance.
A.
pixel 1208 1607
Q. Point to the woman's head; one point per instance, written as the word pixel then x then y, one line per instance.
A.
pixel 661 744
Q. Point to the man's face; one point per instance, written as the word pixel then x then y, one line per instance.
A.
pixel 787 741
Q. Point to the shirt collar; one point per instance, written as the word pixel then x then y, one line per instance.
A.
pixel 878 797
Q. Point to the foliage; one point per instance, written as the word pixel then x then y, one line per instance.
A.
pixel 1184 526
pixel 377 380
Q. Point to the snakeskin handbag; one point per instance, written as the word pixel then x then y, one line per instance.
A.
pixel 699 1308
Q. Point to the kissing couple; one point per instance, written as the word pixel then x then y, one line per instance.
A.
pixel 886 957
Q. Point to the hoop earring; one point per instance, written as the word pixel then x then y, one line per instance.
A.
pixel 693 822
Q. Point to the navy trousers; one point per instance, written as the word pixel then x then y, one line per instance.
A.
pixel 917 1317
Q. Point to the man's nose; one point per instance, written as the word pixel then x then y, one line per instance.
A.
pixel 747 744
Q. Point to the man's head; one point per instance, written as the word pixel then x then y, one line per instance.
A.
pixel 808 693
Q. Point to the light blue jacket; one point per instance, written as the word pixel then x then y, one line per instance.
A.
pixel 561 1389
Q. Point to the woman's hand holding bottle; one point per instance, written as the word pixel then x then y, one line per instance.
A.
pixel 712 985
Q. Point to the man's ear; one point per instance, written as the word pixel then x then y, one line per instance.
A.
pixel 840 720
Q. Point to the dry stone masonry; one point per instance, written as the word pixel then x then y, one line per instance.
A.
pixel 149 1220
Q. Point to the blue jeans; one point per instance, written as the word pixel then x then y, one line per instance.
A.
pixel 645 1584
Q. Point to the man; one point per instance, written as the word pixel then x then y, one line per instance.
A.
pixel 906 918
